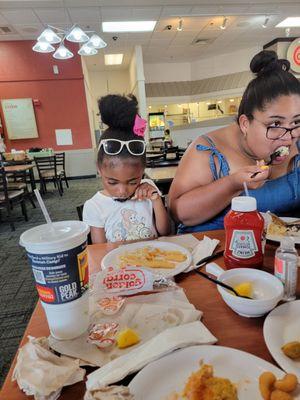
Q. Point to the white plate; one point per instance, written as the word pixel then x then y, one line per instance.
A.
pixel 112 258
pixel 281 326
pixel 170 373
pixel 277 238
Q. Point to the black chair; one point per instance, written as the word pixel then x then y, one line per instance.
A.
pixel 18 181
pixel 79 210
pixel 61 168
pixel 8 198
pixel 47 170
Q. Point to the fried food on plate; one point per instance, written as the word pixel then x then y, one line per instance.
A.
pixel 292 350
pixel 202 385
pixel 279 227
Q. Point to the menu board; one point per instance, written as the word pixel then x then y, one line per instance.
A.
pixel 19 118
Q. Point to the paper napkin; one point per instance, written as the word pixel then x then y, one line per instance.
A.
pixel 204 248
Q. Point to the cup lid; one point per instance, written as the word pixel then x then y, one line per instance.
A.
pixel 244 203
pixel 51 234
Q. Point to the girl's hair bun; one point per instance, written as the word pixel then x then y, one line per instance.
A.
pixel 267 61
pixel 118 112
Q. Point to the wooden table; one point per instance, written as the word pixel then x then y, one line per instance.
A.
pixel 22 168
pixel 161 174
pixel 231 329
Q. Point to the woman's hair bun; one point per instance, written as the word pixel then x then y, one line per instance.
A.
pixel 267 61
pixel 118 112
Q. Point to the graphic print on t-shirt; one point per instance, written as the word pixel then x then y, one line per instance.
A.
pixel 131 227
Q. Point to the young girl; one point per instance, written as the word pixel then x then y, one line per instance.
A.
pixel 128 208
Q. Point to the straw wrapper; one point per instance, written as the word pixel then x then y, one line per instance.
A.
pixel 41 373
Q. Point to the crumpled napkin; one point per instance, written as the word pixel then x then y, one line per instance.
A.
pixel 109 393
pixel 41 373
pixel 205 248
pixel 160 345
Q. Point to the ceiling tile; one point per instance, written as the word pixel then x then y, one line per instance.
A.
pixel 169 11
pixel 116 13
pixel 20 17
pixel 29 30
pixel 146 13
pixel 87 14
pixel 53 15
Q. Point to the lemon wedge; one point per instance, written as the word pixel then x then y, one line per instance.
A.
pixel 126 338
pixel 244 289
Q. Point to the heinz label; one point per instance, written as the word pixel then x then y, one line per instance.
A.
pixel 243 244
pixel 61 277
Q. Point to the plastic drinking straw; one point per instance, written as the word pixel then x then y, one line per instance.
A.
pixel 43 207
pixel 246 188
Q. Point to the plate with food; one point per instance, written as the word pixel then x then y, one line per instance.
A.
pixel 163 258
pixel 210 373
pixel 277 227
pixel 282 336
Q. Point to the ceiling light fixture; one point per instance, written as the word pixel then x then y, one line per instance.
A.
pixel 290 22
pixel 224 23
pixel 52 35
pixel 180 25
pixel 267 19
pixel 128 26
pixel 113 59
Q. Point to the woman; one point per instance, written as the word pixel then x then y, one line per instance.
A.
pixel 216 165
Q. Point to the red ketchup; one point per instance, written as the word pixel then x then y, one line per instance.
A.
pixel 244 233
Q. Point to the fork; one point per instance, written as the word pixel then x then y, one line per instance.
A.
pixel 272 158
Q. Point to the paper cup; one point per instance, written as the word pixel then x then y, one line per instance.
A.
pixel 58 257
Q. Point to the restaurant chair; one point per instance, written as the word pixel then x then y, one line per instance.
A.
pixel 47 170
pixel 79 210
pixel 61 168
pixel 18 181
pixel 8 198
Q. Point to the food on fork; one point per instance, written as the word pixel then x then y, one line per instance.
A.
pixel 280 389
pixel 278 226
pixel 283 151
pixel 152 257
pixel 292 350
pixel 244 289
pixel 202 385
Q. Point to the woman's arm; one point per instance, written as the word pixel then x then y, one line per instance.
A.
pixel 195 197
pixel 98 235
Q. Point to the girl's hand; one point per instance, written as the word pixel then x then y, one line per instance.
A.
pixel 145 191
pixel 244 175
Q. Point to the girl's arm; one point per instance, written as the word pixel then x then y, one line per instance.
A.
pixel 97 235
pixel 195 197
pixel 162 221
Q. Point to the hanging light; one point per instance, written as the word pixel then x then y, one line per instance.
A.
pixel 48 35
pixel 43 47
pixel 264 25
pixel 77 35
pixel 224 23
pixel 62 53
pixel 180 25
pixel 86 50
pixel 96 42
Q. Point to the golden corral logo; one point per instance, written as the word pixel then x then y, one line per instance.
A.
pixel 293 55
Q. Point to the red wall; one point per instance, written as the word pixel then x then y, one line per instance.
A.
pixel 27 74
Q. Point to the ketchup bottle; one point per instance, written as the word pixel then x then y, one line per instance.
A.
pixel 244 233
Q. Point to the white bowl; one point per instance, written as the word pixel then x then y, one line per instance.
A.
pixel 267 289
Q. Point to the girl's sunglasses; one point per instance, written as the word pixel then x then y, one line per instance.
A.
pixel 113 147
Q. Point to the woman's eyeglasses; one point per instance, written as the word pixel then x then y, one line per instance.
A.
pixel 113 147
pixel 279 132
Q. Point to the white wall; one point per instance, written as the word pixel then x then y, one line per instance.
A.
pixel 167 72
pixel 224 64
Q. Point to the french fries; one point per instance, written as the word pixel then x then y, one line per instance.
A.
pixel 152 257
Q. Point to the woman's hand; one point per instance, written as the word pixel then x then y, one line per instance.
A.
pixel 244 175
pixel 145 191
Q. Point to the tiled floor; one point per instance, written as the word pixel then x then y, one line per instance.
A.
pixel 17 291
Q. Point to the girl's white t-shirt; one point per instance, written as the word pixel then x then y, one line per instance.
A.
pixel 121 221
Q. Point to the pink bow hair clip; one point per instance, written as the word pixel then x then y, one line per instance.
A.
pixel 139 126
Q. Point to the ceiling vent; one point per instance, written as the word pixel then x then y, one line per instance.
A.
pixel 6 30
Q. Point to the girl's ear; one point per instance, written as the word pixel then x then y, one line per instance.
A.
pixel 244 124
pixel 99 171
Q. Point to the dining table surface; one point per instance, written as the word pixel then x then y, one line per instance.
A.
pixel 161 174
pixel 230 329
